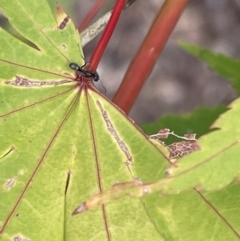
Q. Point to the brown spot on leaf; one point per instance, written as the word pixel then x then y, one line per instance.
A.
pixel 163 133
pixel 123 147
pixel 178 149
pixel 190 136
pixel 23 82
pixel 10 183
pixel 63 24
pixel 62 18
pixel 182 148
pixel 16 238
pixel 20 238
pixel 80 209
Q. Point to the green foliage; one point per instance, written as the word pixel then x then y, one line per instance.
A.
pixel 58 147
pixel 221 64
pixel 62 145
pixel 195 215
pixel 199 121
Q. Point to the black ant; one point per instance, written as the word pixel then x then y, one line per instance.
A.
pixel 87 73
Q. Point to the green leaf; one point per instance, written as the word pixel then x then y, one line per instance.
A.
pixel 214 214
pixel 221 64
pixel 194 215
pixel 217 157
pixel 213 167
pixel 35 22
pixel 62 141
pixel 199 121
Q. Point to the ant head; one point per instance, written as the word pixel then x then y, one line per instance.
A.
pixel 75 67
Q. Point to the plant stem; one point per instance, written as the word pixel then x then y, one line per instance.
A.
pixel 144 61
pixel 97 54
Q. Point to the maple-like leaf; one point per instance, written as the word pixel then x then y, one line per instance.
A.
pixel 64 147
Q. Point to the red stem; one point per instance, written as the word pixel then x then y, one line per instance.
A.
pixel 90 15
pixel 97 54
pixel 144 61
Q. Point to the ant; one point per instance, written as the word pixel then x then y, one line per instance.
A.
pixel 87 73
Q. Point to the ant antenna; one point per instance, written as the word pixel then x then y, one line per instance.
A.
pixel 105 90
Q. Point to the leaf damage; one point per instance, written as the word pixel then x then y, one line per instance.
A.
pixel 10 183
pixel 134 188
pixel 113 132
pixel 20 238
pixel 177 149
pixel 62 17
pixel 24 82
pixel 131 189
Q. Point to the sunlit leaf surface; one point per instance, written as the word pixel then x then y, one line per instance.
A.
pixel 61 141
pixel 65 146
